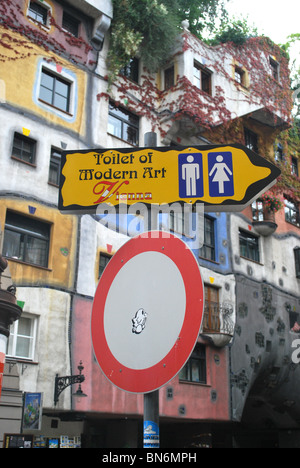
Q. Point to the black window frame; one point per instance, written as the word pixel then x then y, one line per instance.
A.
pixel 169 77
pixel 20 233
pixel 20 152
pixel 274 65
pixel 209 241
pixel 196 364
pixel 70 24
pixel 54 167
pixel 251 140
pixel 291 213
pixel 54 91
pixel 294 166
pixel 38 12
pixel 297 261
pixel 127 124
pixel 203 79
pixel 249 243
pixel 104 260
pixel 131 70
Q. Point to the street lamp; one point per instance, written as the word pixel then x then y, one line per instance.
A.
pixel 61 383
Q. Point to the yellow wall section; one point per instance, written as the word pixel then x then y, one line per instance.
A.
pixel 60 271
pixel 19 90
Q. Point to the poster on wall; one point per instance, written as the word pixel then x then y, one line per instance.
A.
pixel 32 413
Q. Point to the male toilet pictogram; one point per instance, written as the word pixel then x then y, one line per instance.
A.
pixel 190 173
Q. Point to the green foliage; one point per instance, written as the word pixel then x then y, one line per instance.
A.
pixel 140 27
pixel 235 30
pixel 148 28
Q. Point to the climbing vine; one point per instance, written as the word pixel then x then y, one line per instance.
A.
pixel 21 39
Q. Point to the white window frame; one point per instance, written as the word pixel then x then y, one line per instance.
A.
pixel 65 75
pixel 13 338
pixel 43 5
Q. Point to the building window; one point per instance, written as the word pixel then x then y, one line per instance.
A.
pixel 55 91
pixel 211 318
pixel 208 250
pixel 103 262
pixel 249 246
pixel 240 76
pixel 38 12
pixel 131 70
pixel 274 68
pixel 169 77
pixel 294 167
pixel 195 368
pixel 123 124
pixel 54 167
pixel 257 211
pixel 291 211
pixel 251 140
pixel 26 239
pixel 279 153
pixel 70 24
pixel 24 149
pixel 202 78
pixel 297 261
pixel 22 338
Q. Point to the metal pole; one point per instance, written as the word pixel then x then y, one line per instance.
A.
pixel 151 400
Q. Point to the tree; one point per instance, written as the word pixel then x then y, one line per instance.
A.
pixel 148 28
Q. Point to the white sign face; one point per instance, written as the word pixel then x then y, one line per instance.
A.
pixel 147 312
pixel 152 313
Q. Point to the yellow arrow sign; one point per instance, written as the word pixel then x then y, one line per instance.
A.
pixel 224 178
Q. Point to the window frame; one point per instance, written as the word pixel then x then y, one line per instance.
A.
pixel 291 214
pixel 123 123
pixel 169 77
pixel 247 237
pixel 12 342
pixel 69 19
pixel 297 261
pixel 206 243
pixel 30 141
pixel 55 161
pixel 257 210
pixel 211 316
pixel 198 80
pixel 131 70
pixel 107 257
pixel 25 235
pixel 197 359
pixel 57 79
pixel 274 66
pixel 294 166
pixel 251 140
pixel 32 14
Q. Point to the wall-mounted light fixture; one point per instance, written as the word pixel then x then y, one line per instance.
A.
pixel 61 383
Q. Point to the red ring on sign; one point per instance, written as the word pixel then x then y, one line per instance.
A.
pixel 154 377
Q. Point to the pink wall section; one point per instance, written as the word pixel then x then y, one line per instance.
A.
pixel 105 398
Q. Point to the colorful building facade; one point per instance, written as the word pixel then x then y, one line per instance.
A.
pixel 203 95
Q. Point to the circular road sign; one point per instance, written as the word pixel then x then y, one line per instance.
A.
pixel 147 312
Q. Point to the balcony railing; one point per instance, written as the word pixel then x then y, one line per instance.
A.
pixel 218 318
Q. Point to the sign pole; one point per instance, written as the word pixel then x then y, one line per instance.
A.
pixel 151 400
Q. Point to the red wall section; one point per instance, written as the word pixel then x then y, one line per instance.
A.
pixel 105 398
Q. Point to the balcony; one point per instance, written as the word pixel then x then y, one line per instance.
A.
pixel 218 323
